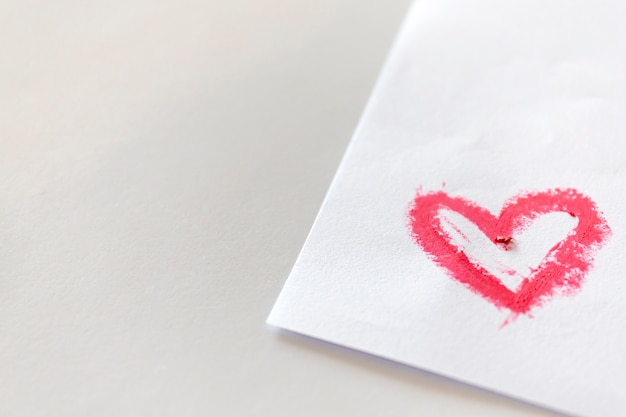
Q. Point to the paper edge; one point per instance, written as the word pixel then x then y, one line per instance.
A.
pixel 382 76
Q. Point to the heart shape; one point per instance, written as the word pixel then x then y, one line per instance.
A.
pixel 562 270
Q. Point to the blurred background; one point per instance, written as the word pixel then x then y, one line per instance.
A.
pixel 161 164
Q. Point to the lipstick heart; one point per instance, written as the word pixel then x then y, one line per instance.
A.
pixel 562 270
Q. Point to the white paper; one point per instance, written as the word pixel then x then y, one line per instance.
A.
pixel 485 101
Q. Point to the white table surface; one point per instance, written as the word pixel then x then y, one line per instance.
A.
pixel 161 163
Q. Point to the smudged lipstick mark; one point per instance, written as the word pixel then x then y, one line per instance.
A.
pixel 562 270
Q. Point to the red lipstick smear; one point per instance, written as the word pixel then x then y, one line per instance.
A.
pixel 562 270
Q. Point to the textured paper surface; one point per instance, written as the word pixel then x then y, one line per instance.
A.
pixel 483 101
